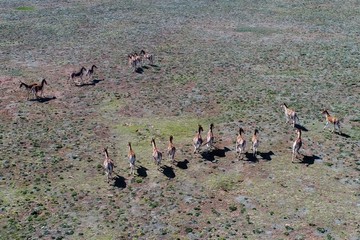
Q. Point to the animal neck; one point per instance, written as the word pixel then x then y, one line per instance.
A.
pixel 106 154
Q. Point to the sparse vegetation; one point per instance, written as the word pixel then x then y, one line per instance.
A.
pixel 231 63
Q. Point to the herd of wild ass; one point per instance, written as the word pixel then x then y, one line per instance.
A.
pixel 137 60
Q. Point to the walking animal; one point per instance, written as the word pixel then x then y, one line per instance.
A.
pixel 333 120
pixel 157 155
pixel 255 142
pixel 210 137
pixel 35 89
pixel 296 145
pixel 132 159
pixel 79 74
pixel 147 56
pixel 91 71
pixel 197 140
pixel 108 165
pixel 134 60
pixel 28 88
pixel 171 150
pixel 290 115
pixel 240 142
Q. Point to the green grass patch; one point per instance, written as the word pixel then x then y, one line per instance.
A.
pixel 142 130
pixel 25 8
pixel 225 182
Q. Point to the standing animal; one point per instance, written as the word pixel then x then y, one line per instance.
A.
pixel 28 88
pixel 147 56
pixel 35 89
pixel 197 140
pixel 171 150
pixel 290 115
pixel 296 145
pixel 240 142
pixel 255 142
pixel 79 74
pixel 333 120
pixel 157 155
pixel 210 137
pixel 132 159
pixel 91 71
pixel 108 165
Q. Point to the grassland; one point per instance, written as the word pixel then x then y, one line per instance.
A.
pixel 231 63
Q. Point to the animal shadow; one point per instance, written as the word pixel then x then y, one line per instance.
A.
pixel 211 154
pixel 119 182
pixel 302 128
pixel 251 157
pixel 309 160
pixel 44 99
pixel 266 156
pixel 343 135
pixel 183 164
pixel 139 70
pixel 141 171
pixel 168 171
pixel 92 83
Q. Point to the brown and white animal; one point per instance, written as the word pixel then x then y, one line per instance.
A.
pixel 240 142
pixel 134 60
pixel 290 115
pixel 157 155
pixel 255 142
pixel 147 56
pixel 90 71
pixel 28 88
pixel 108 165
pixel 171 150
pixel 79 74
pixel 197 140
pixel 210 137
pixel 132 159
pixel 38 88
pixel 333 120
pixel 296 145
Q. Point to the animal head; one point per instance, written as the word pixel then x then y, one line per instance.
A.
pixel 256 131
pixel 325 111
pixel 211 126
pixel 284 105
pixel 94 66
pixel 241 130
pixel 171 138
pixel 44 81
pixel 200 129
pixel 142 52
